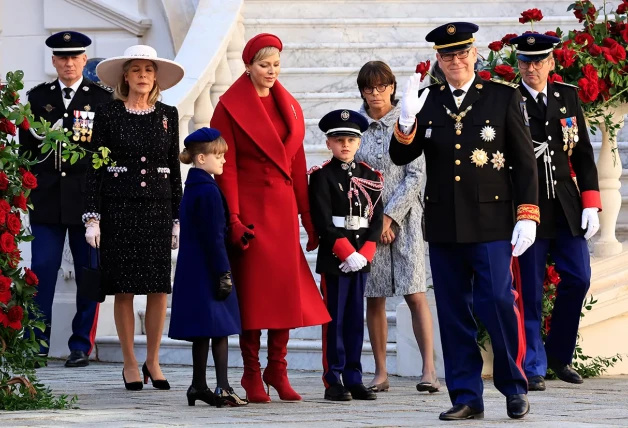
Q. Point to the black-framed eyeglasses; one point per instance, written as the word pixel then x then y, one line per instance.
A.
pixel 448 57
pixel 380 88
pixel 537 65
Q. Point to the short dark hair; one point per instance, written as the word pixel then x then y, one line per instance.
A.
pixel 373 73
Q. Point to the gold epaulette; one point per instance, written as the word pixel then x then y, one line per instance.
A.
pixel 503 82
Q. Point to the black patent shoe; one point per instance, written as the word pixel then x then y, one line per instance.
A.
pixel 205 395
pixel 461 412
pixel 77 359
pixel 132 386
pixel 361 392
pixel 229 397
pixel 157 383
pixel 517 406
pixel 536 383
pixel 564 372
pixel 337 392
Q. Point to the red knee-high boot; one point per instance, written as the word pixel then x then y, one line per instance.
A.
pixel 276 372
pixel 251 379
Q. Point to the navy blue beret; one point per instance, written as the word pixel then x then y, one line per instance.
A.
pixel 453 36
pixel 203 135
pixel 343 122
pixel 534 46
pixel 68 43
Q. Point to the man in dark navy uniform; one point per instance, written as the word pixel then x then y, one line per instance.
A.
pixel 58 198
pixel 568 211
pixel 472 132
pixel 348 216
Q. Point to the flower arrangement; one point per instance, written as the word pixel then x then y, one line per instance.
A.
pixel 19 388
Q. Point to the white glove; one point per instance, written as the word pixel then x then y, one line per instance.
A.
pixel 344 267
pixel 175 236
pixel 590 222
pixel 411 104
pixel 92 235
pixel 523 236
pixel 356 261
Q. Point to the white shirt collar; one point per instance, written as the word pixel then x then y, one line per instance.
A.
pixel 74 87
pixel 535 93
pixel 465 87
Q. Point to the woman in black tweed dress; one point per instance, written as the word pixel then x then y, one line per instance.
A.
pixel 133 208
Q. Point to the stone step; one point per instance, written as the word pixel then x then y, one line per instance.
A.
pixel 401 29
pixel 304 333
pixel 302 354
pixel 369 9
pixel 318 104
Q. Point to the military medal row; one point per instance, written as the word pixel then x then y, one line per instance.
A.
pixel 83 125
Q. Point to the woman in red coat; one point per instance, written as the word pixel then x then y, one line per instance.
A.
pixel 265 184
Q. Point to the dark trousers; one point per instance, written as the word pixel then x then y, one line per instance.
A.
pixel 47 252
pixel 476 278
pixel 571 256
pixel 343 336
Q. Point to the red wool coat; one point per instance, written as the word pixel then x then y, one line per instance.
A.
pixel 265 184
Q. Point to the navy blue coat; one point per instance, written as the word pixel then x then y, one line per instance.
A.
pixel 202 259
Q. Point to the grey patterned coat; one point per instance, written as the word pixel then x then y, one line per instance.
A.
pixel 398 269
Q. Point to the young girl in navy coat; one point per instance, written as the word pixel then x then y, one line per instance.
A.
pixel 204 304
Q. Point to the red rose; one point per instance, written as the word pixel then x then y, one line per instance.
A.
pixel 30 277
pixel 5 290
pixel 566 57
pixel 551 33
pixel 29 181
pixel 618 52
pixel 19 201
pixel 595 50
pixel 14 258
pixel 14 318
pixel 622 9
pixel 496 46
pixel 423 68
pixel 530 15
pixel 7 126
pixel 590 72
pixel 552 276
pixel 14 225
pixel 604 89
pixel 583 38
pixel 580 13
pixel 5 209
pixel 587 90
pixel 485 74
pixel 7 242
pixel 4 181
pixel 25 125
pixel 506 72
pixel 508 37
pixel 554 78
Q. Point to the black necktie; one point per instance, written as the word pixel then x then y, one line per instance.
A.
pixel 458 93
pixel 540 98
pixel 68 93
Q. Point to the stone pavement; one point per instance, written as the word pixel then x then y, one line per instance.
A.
pixel 103 402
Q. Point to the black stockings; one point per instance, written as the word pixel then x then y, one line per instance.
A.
pixel 200 352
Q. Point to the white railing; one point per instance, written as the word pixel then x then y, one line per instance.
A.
pixel 211 56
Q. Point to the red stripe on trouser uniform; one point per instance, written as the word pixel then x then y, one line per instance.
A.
pixel 92 332
pixel 515 272
pixel 325 365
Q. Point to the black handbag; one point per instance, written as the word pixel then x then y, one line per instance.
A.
pixel 91 287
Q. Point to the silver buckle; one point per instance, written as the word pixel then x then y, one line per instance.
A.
pixel 352 222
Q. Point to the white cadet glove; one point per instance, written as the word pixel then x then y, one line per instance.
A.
pixel 590 222
pixel 92 234
pixel 523 236
pixel 356 261
pixel 411 104
pixel 175 236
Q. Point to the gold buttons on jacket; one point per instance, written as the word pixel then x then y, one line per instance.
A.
pixel 457 146
pixel 496 197
pixel 457 178
pixel 457 162
pixel 63 174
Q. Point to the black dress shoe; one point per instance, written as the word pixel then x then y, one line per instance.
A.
pixel 361 392
pixel 77 359
pixel 517 406
pixel 536 383
pixel 205 395
pixel 157 383
pixel 565 372
pixel 337 392
pixel 461 412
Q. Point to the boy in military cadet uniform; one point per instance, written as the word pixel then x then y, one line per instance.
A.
pixel 472 132
pixel 348 216
pixel 58 198
pixel 568 211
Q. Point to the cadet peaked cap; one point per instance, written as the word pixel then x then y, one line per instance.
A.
pixel 533 46
pixel 452 37
pixel 68 43
pixel 343 123
pixel 259 42
pixel 202 135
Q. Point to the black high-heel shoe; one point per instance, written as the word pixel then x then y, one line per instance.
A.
pixel 132 386
pixel 157 383
pixel 205 395
pixel 229 397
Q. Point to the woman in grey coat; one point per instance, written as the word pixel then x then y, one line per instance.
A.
pixel 398 267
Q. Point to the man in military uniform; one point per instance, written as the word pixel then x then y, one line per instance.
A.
pixel 472 132
pixel 348 216
pixel 58 198
pixel 568 211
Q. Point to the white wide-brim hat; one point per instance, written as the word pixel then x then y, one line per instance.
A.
pixel 168 74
